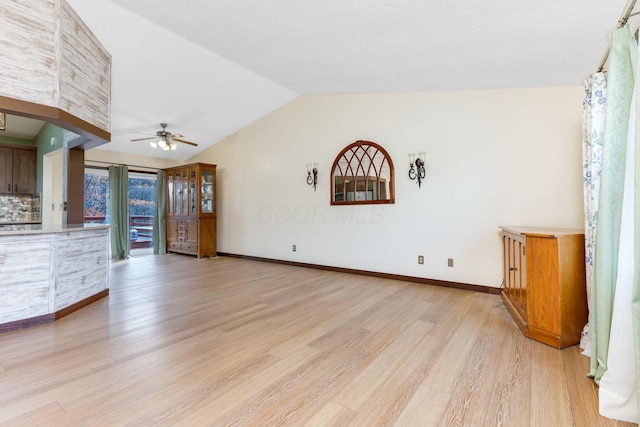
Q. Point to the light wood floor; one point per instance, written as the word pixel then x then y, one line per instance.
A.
pixel 243 343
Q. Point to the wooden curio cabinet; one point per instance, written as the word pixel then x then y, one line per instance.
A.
pixel 191 209
pixel 544 282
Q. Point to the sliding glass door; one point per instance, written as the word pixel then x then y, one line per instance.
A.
pixel 142 203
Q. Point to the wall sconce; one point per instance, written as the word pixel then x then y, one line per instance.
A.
pixel 418 173
pixel 312 180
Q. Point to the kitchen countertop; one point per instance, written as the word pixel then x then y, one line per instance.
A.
pixel 14 229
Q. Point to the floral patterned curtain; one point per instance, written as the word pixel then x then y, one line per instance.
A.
pixel 593 113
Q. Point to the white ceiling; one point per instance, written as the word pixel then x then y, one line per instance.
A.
pixel 210 67
pixel 21 127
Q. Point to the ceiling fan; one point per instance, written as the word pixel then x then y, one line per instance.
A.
pixel 165 139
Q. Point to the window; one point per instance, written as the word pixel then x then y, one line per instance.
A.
pixel 142 203
pixel 362 174
pixel 96 195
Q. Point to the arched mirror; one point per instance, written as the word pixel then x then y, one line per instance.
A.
pixel 362 174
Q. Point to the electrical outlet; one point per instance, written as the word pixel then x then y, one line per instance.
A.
pixel 293 248
pixel 420 259
pixel 450 262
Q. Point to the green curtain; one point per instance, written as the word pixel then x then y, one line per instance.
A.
pixel 615 298
pixel 160 219
pixel 119 199
pixel 619 93
pixel 635 296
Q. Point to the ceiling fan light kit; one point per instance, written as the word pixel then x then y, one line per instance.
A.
pixel 165 140
pixel 164 144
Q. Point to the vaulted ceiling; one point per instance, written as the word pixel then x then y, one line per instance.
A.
pixel 208 68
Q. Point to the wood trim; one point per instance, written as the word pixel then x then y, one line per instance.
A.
pixel 58 117
pixel 80 304
pixel 364 202
pixel 550 232
pixel 548 338
pixel 515 313
pixel 190 165
pixel 26 323
pixel 51 317
pixel 20 147
pixel 75 186
pixel 422 280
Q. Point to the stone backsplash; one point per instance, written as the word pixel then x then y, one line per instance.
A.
pixel 19 208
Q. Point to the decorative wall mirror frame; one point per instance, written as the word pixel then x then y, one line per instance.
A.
pixel 362 174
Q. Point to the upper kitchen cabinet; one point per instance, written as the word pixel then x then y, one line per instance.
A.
pixel 17 170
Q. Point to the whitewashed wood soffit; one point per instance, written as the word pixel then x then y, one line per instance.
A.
pixel 27 41
pixel 85 72
pixel 50 57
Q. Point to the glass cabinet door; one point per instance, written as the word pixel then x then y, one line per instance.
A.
pixel 177 182
pixel 192 192
pixel 185 192
pixel 207 189
pixel 170 193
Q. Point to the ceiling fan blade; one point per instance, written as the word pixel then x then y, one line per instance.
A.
pixel 185 142
pixel 144 139
pixel 177 135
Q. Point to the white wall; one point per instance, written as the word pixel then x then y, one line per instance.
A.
pixel 52 181
pixel 126 159
pixel 494 157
